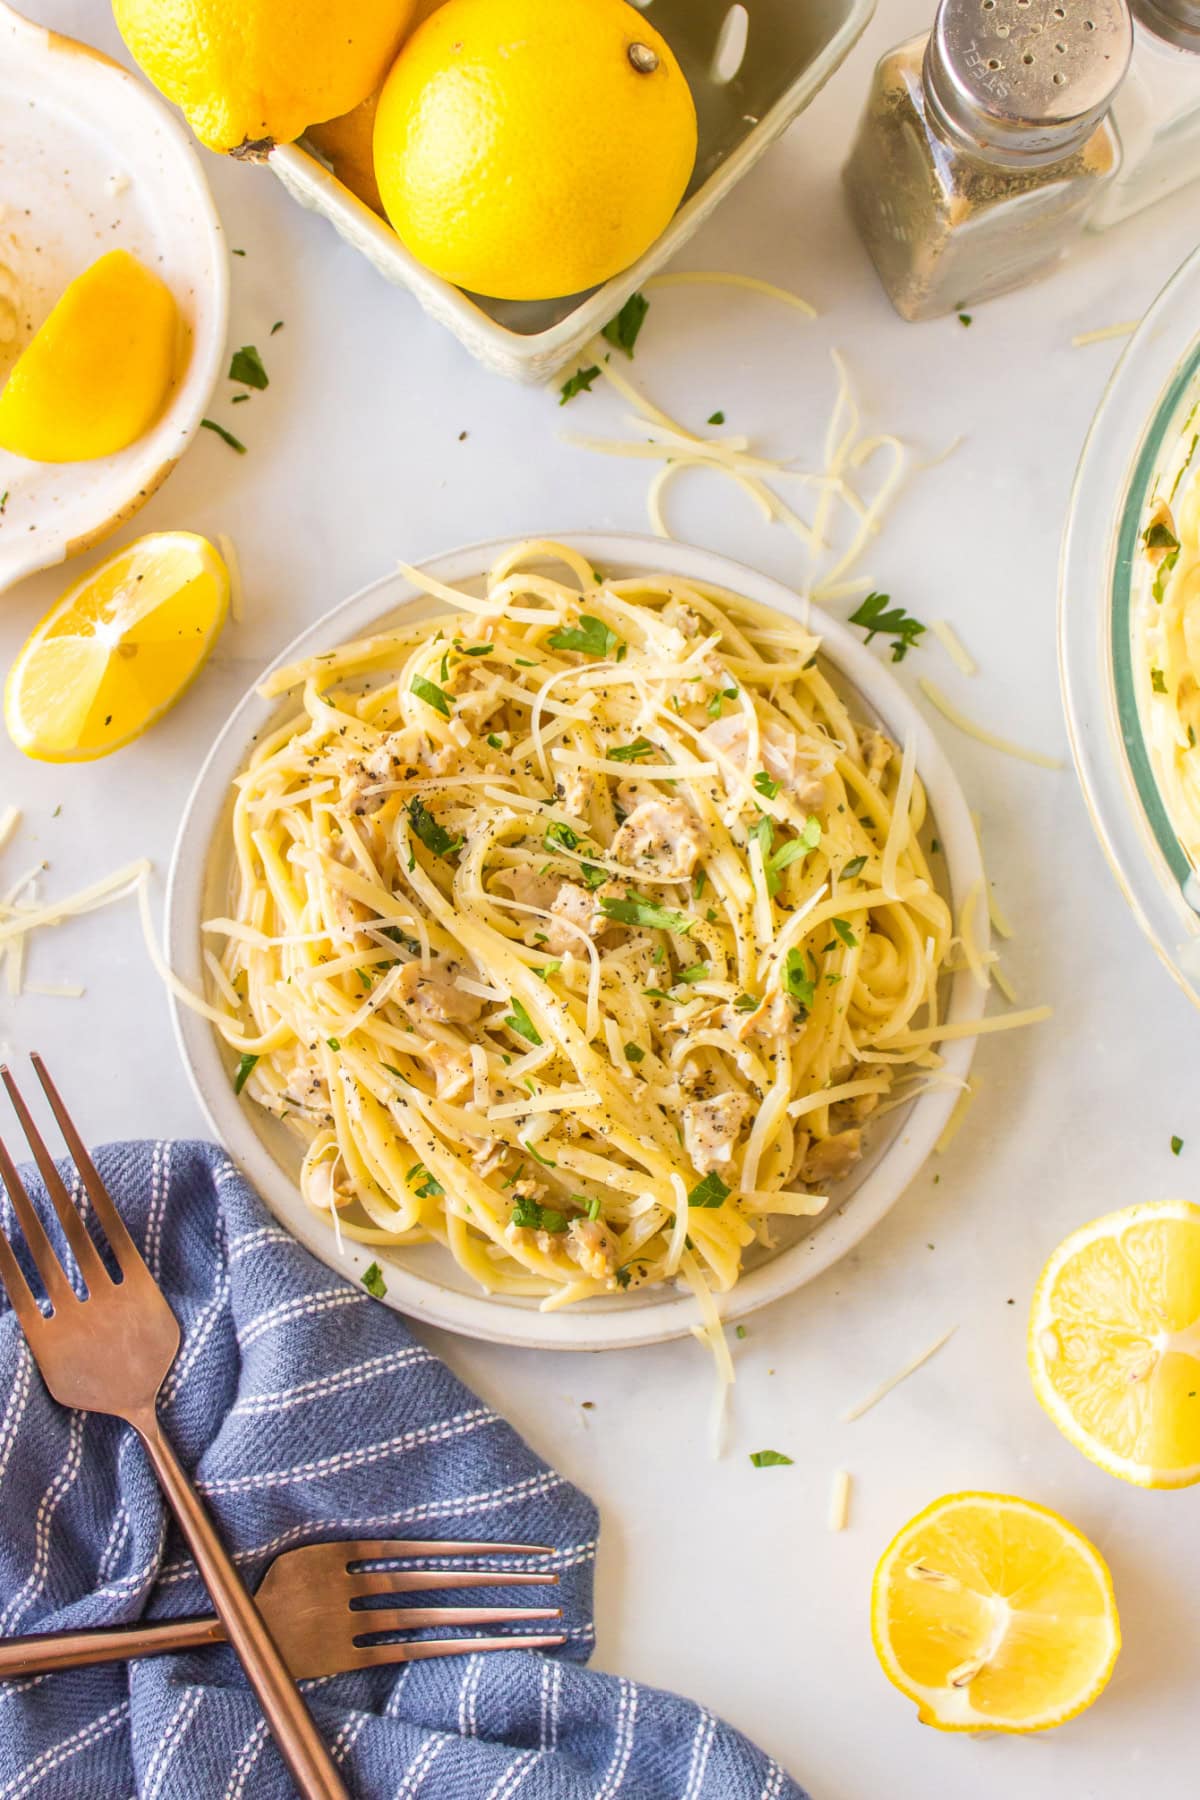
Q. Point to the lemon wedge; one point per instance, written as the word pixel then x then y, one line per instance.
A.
pixel 95 376
pixel 994 1614
pixel 118 649
pixel 1114 1342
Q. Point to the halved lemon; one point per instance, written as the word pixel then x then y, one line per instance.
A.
pixel 1114 1342
pixel 118 649
pixel 994 1614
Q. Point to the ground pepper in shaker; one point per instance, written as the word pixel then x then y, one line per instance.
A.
pixel 984 146
pixel 1157 112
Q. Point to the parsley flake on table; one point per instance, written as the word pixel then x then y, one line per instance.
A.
pixel 374 1283
pixel 717 418
pixel 226 437
pixel 246 366
pixel 875 617
pixel 579 383
pixel 770 1459
pixel 1176 1145
pixel 591 637
pixel 622 332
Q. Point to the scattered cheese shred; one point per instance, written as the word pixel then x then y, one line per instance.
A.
pixel 885 1387
pixel 237 591
pixel 966 934
pixel 55 990
pixel 722 278
pixel 939 1034
pixel 956 717
pixel 1105 332
pixel 839 1500
pixel 10 818
pixel 956 1118
pixel 1004 984
pixel 954 647
pixel 100 893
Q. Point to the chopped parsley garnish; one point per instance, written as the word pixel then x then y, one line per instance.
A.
pixel 770 1459
pixel 964 318
pixel 558 834
pixel 247 367
pixel 697 972
pixel 717 418
pixel 713 708
pixel 548 969
pixel 622 332
pixel 873 615
pixel 536 1154
pixel 592 876
pixel 245 1064
pixel 634 1053
pixel 334 1043
pixel 1164 569
pixel 494 741
pixel 1159 536
pixel 747 1003
pixel 1158 681
pixel 655 994
pixel 579 383
pixel 762 833
pixel 374 1283
pixel 593 1208
pixel 532 1217
pixel 434 836
pixel 396 936
pixel 1176 1145
pixel 698 884
pixel 277 326
pixel 3 500
pixel 764 784
pixel 518 1020
pixel 854 867
pixel 632 752
pixel 710 1192
pixel 797 982
pixel 429 1187
pixel 635 909
pixel 844 932
pixel 591 637
pixel 226 437
pixel 431 694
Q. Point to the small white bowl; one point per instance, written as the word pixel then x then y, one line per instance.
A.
pixel 91 160
pixel 426 1282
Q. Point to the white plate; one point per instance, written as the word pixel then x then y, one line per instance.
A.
pixel 426 1282
pixel 91 160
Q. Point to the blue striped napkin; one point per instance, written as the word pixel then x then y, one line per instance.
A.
pixel 307 1411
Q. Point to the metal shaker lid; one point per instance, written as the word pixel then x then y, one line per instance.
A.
pixel 1027 80
pixel 1176 20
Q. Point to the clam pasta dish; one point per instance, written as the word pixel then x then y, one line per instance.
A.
pixel 579 927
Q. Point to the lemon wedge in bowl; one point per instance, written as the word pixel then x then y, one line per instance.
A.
pixel 994 1614
pixel 1114 1342
pixel 96 375
pixel 118 649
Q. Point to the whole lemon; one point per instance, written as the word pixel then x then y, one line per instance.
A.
pixel 252 73
pixel 528 149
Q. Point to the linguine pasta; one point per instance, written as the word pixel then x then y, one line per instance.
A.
pixel 579 927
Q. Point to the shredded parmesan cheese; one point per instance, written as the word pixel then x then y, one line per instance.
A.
pixel 839 1500
pixel 952 644
pixel 885 1387
pixel 949 711
pixel 10 818
pixel 1105 332
pixel 957 1116
pixel 722 278
pixel 237 591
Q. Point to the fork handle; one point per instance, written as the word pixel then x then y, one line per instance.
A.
pixel 44 1652
pixel 290 1722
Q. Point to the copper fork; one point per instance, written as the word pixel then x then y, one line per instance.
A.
pixel 313 1601
pixel 110 1353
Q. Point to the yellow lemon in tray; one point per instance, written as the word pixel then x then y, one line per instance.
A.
pixel 527 149
pixel 249 74
pixel 1114 1342
pixel 994 1614
pixel 95 376
pixel 118 649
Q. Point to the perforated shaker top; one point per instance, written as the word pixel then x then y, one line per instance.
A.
pixel 1028 76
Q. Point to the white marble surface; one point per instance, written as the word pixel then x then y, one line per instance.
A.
pixel 718 1579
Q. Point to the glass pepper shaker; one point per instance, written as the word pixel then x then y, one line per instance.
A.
pixel 985 144
pixel 1157 111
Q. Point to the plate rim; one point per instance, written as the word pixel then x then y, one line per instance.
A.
pixel 480 1316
